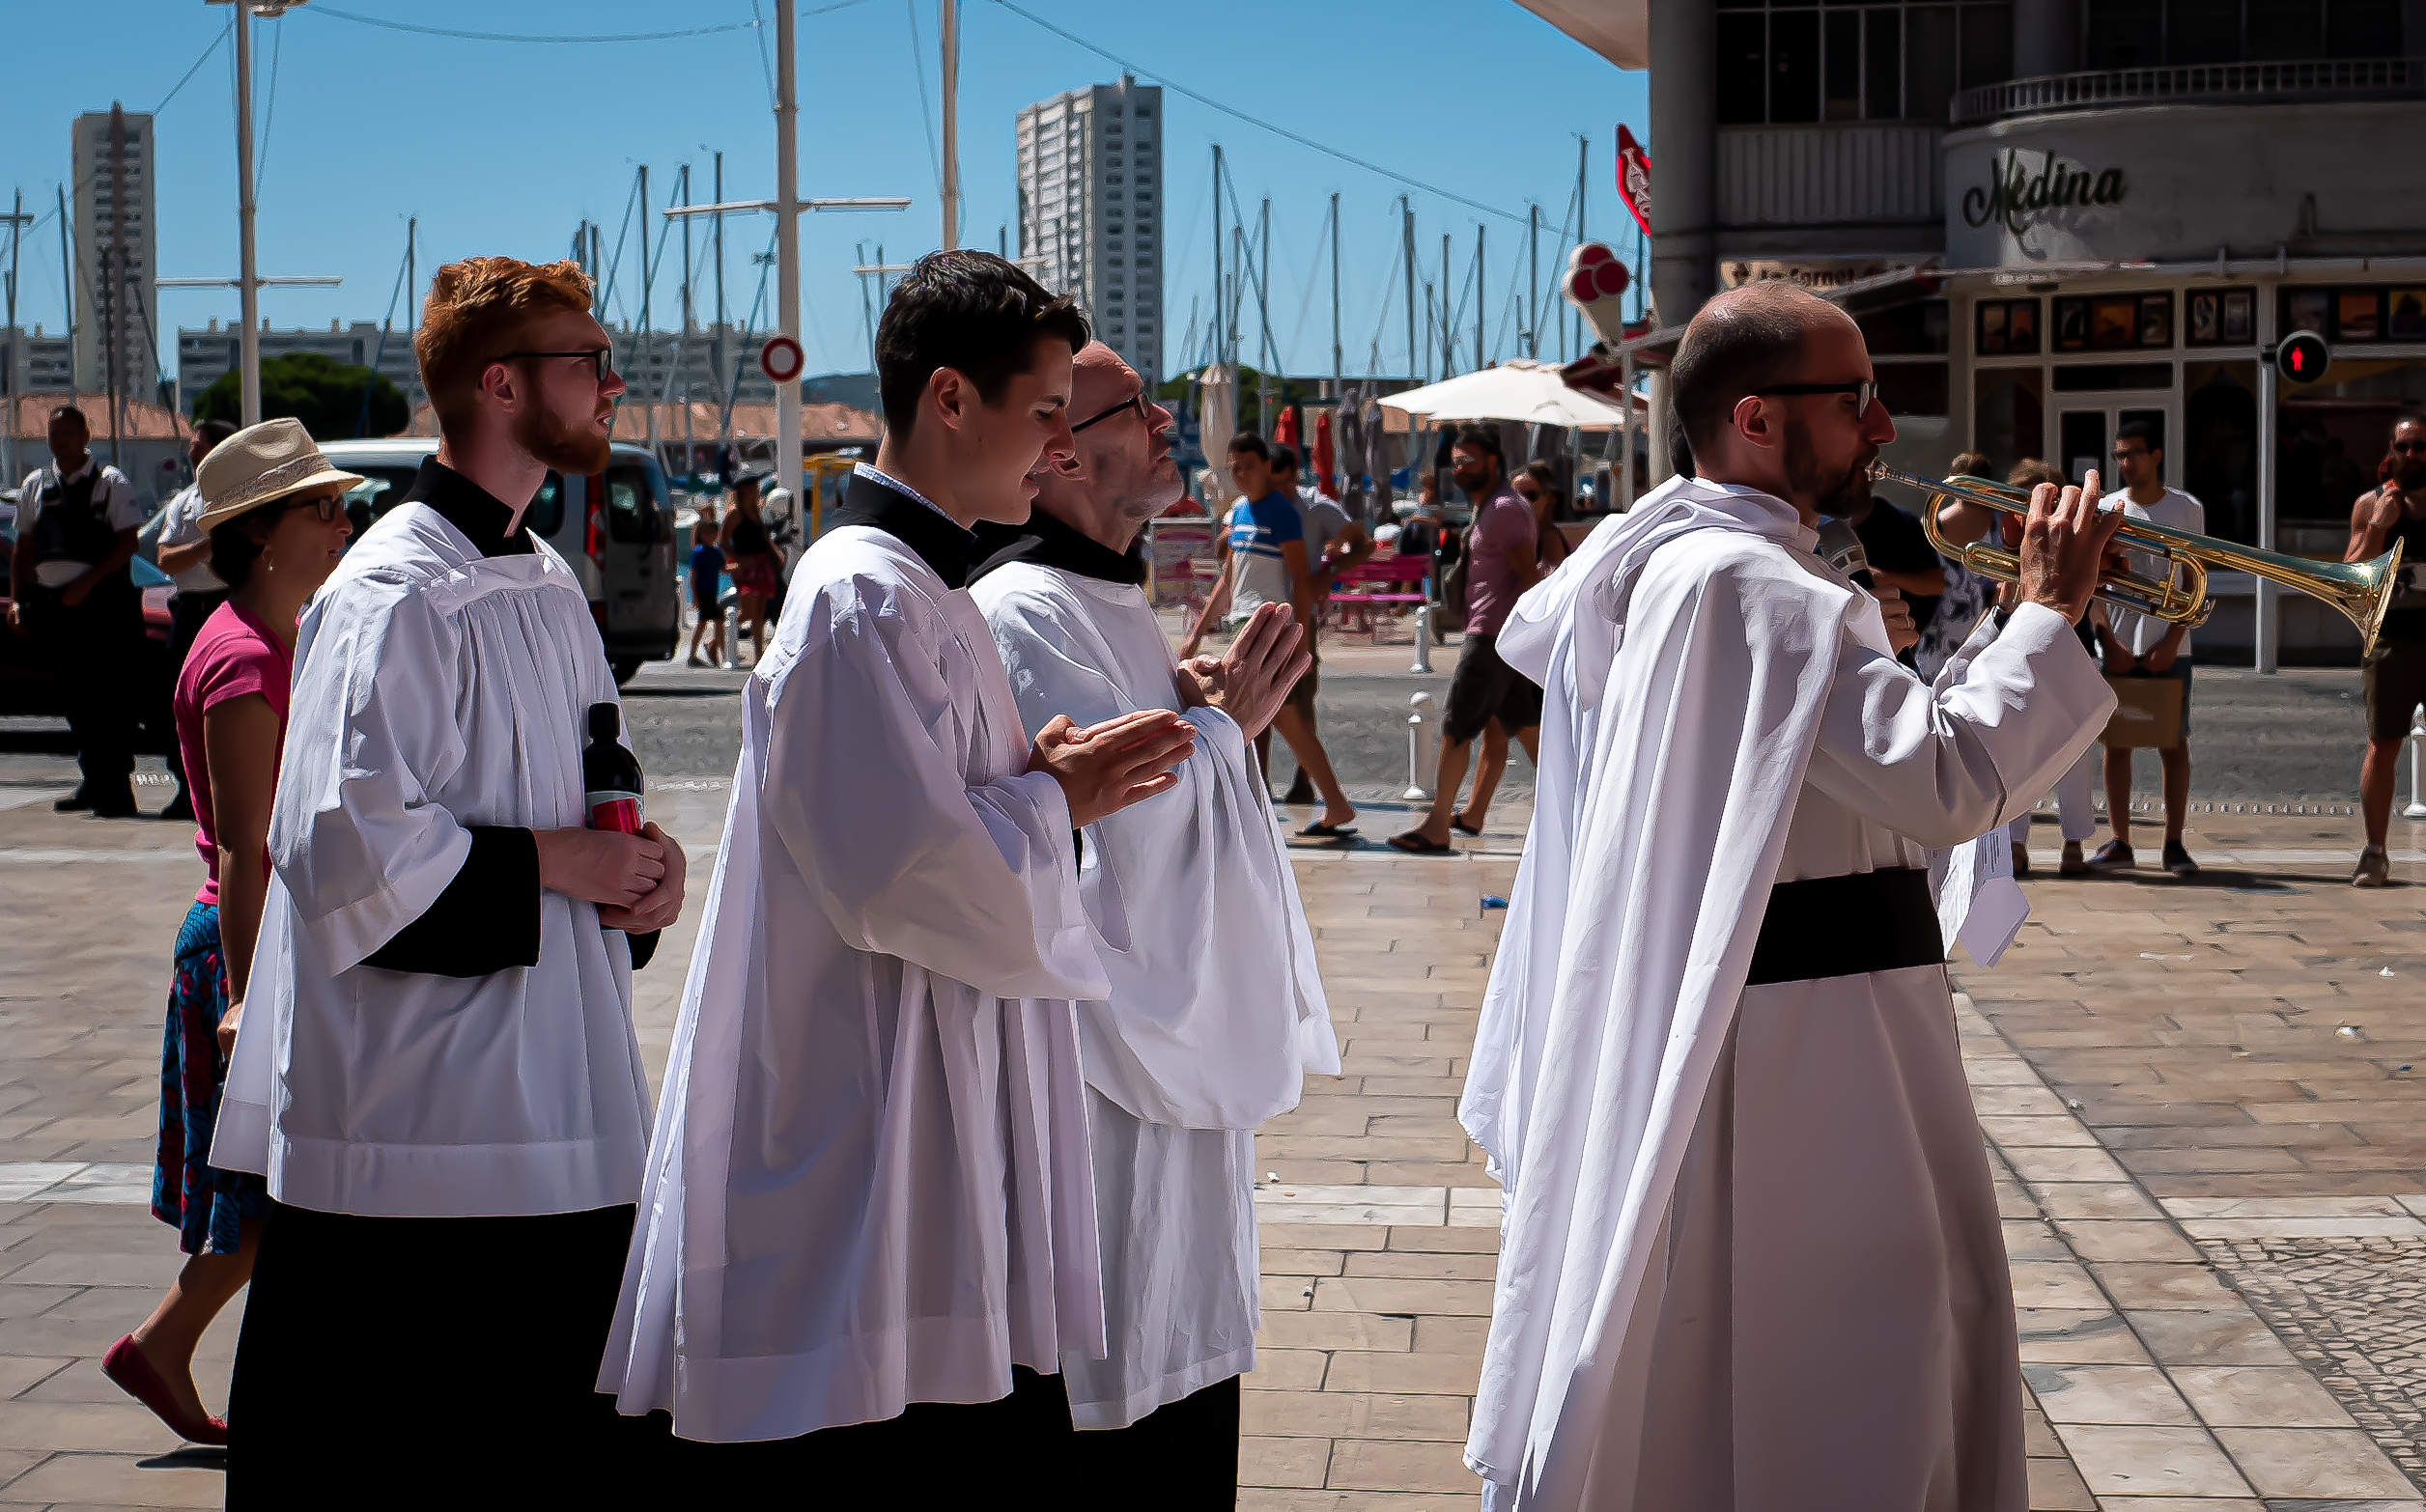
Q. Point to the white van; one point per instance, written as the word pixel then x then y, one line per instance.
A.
pixel 615 528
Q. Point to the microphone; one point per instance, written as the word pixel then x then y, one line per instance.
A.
pixel 1841 548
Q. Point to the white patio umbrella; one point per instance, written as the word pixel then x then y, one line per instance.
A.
pixel 1217 420
pixel 1520 390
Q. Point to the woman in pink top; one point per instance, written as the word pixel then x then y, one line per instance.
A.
pixel 275 512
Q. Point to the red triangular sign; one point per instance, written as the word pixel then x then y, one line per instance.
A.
pixel 1634 178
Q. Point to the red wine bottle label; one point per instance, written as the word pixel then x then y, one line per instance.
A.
pixel 616 811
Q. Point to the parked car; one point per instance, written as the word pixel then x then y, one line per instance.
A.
pixel 27 687
pixel 615 528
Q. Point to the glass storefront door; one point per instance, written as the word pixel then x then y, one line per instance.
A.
pixel 2086 440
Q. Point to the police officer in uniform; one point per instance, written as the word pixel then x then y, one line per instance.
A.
pixel 69 588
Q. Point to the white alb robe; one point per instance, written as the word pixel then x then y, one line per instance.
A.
pixel 435 690
pixel 869 1182
pixel 1724 1196
pixel 1216 1013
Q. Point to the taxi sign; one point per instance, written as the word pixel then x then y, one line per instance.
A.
pixel 2302 357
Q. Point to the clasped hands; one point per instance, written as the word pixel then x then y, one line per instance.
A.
pixel 1251 680
pixel 636 881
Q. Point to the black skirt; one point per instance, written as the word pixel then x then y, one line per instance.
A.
pixel 430 1362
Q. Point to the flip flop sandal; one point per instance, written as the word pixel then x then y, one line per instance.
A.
pixel 1413 844
pixel 1464 828
pixel 1318 830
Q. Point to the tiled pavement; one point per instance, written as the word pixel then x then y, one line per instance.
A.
pixel 2194 1094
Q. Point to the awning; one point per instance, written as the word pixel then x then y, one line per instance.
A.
pixel 1619 30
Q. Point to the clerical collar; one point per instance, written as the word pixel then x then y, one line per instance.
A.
pixel 899 510
pixel 1047 542
pixel 480 515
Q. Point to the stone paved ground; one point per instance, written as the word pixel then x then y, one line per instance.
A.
pixel 2212 1190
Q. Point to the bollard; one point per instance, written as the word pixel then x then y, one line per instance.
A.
pixel 1422 639
pixel 2417 777
pixel 1417 791
pixel 732 639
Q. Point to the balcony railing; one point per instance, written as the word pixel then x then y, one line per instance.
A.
pixel 2206 84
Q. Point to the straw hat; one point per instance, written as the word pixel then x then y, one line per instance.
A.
pixel 261 464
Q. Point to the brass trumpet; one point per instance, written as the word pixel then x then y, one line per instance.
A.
pixel 2361 590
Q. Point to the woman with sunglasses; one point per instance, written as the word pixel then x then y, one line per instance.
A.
pixel 274 511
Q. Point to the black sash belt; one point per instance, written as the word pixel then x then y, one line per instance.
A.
pixel 1847 926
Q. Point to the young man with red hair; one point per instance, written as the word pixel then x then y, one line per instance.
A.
pixel 436 1069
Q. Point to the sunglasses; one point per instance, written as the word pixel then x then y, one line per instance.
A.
pixel 328 506
pixel 1863 392
pixel 602 360
pixel 2409 448
pixel 1138 402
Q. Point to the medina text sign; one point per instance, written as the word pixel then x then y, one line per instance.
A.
pixel 2016 194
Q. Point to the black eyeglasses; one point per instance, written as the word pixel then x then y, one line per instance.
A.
pixel 1863 392
pixel 1138 402
pixel 602 360
pixel 328 506
pixel 2409 448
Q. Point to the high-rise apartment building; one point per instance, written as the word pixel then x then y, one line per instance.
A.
pixel 117 294
pixel 1090 171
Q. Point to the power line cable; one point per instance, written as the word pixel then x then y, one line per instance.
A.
pixel 268 110
pixel 458 35
pixel 1235 114
pixel 187 76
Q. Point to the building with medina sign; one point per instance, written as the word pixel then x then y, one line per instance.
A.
pixel 2057 216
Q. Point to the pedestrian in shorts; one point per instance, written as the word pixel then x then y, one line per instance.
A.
pixel 2395 673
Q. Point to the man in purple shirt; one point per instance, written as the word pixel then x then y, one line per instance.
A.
pixel 1499 565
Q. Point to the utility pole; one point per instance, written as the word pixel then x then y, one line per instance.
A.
pixel 1406 214
pixel 787 246
pixel 690 315
pixel 19 220
pixel 247 288
pixel 1532 281
pixel 951 123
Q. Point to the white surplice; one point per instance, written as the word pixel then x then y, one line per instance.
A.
pixel 435 690
pixel 869 1182
pixel 1751 1258
pixel 1216 1013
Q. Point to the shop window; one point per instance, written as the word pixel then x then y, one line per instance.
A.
pixel 2332 436
pixel 1794 66
pixel 2113 323
pixel 2355 315
pixel 1912 388
pixel 2221 318
pixel 2219 465
pixel 1905 330
pixel 2006 327
pixel 2008 416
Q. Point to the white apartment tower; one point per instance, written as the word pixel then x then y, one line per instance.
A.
pixel 117 294
pixel 1090 171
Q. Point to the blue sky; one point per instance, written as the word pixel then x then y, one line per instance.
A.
pixel 504 146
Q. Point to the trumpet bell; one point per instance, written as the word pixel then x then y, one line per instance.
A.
pixel 2360 591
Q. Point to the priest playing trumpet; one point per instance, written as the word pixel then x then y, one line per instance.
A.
pixel 1752 1257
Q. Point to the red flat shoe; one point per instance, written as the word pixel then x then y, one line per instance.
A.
pixel 132 1374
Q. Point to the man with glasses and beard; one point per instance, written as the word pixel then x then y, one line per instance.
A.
pixel 436 1070
pixel 1216 1013
pixel 1716 1071
pixel 2395 673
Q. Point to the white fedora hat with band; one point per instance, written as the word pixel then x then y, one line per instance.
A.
pixel 261 464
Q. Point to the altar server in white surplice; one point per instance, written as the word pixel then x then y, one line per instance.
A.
pixel 1751 1260
pixel 1216 1013
pixel 436 1067
pixel 868 1231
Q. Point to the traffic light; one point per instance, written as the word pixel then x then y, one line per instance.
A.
pixel 2302 356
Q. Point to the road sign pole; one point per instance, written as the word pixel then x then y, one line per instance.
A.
pixel 787 246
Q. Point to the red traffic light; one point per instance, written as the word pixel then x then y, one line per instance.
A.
pixel 2302 357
